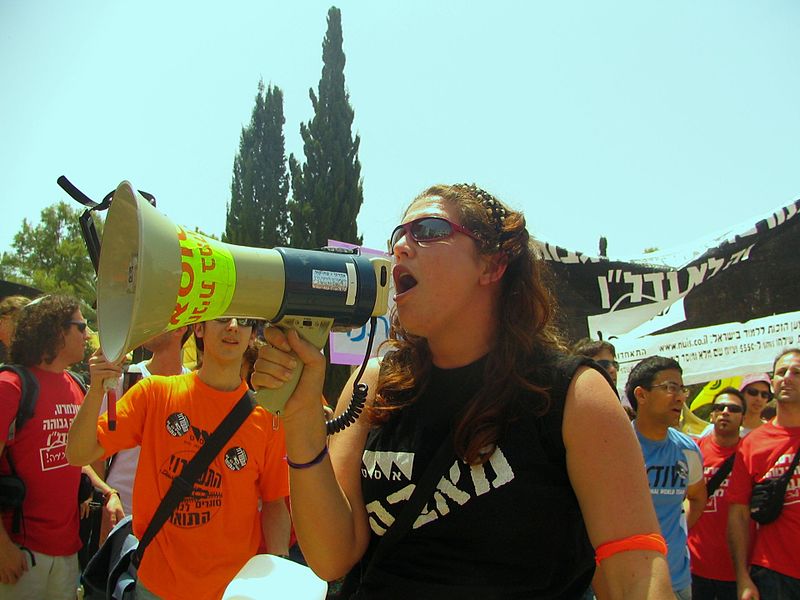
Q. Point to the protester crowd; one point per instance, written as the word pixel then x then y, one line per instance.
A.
pixel 492 461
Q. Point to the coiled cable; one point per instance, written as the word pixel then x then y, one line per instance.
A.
pixel 359 397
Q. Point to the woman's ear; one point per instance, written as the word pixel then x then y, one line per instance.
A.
pixel 494 267
pixel 198 329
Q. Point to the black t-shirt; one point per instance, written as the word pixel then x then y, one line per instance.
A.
pixel 510 528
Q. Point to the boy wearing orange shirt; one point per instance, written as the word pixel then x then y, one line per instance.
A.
pixel 214 530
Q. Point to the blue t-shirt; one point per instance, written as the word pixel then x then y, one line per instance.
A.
pixel 673 464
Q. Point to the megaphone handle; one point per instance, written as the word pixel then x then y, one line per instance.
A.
pixel 110 386
pixel 111 397
pixel 311 329
pixel 275 400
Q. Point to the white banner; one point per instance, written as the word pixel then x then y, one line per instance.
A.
pixel 718 351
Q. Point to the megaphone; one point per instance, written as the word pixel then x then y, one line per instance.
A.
pixel 156 276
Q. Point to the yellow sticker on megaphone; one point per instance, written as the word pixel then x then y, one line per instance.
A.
pixel 208 279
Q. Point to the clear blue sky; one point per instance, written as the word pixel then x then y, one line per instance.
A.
pixel 650 122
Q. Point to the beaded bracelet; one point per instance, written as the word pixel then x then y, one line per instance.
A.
pixel 316 460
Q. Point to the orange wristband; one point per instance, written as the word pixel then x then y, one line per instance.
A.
pixel 651 541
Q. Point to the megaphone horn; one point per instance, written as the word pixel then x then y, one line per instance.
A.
pixel 156 276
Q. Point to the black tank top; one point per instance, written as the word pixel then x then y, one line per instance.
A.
pixel 510 528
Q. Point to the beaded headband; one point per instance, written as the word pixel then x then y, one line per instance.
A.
pixel 497 211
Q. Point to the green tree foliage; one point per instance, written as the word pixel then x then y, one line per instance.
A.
pixel 52 256
pixel 327 190
pixel 257 213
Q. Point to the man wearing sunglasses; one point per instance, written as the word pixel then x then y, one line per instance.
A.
pixel 766 562
pixel 216 528
pixel 673 461
pixel 38 557
pixel 713 576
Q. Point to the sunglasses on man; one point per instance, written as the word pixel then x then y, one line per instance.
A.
pixel 427 229
pixel 731 408
pixel 767 395
pixel 81 325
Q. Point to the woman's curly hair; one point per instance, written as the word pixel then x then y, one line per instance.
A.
pixel 525 331
pixel 39 336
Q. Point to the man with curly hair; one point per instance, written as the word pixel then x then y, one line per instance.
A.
pixel 38 558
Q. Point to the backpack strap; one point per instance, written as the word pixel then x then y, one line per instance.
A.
pixel 183 484
pixel 27 400
pixel 78 379
pixel 29 393
pixel 716 480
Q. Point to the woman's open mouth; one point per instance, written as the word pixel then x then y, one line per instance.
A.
pixel 403 280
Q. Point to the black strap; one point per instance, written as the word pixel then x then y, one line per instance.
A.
pixel 29 388
pixel 182 485
pixel 421 494
pixel 718 477
pixel 790 471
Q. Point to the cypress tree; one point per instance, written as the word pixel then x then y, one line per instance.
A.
pixel 257 214
pixel 327 190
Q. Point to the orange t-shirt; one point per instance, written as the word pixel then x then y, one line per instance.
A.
pixel 216 529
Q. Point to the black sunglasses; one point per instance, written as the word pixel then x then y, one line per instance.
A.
pixel 754 392
pixel 731 408
pixel 81 325
pixel 240 321
pixel 608 363
pixel 427 229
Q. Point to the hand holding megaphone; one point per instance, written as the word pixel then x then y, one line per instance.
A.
pixel 107 374
pixel 288 364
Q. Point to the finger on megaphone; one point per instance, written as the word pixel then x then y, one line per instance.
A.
pixel 272 368
pixel 272 355
pixel 314 364
pixel 306 351
pixel 100 368
pixel 275 336
pixel 99 358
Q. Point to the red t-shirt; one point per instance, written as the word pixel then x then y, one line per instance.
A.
pixel 708 543
pixel 215 529
pixel 50 511
pixel 765 454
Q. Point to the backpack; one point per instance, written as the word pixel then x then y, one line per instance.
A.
pixel 12 488
pixel 29 395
